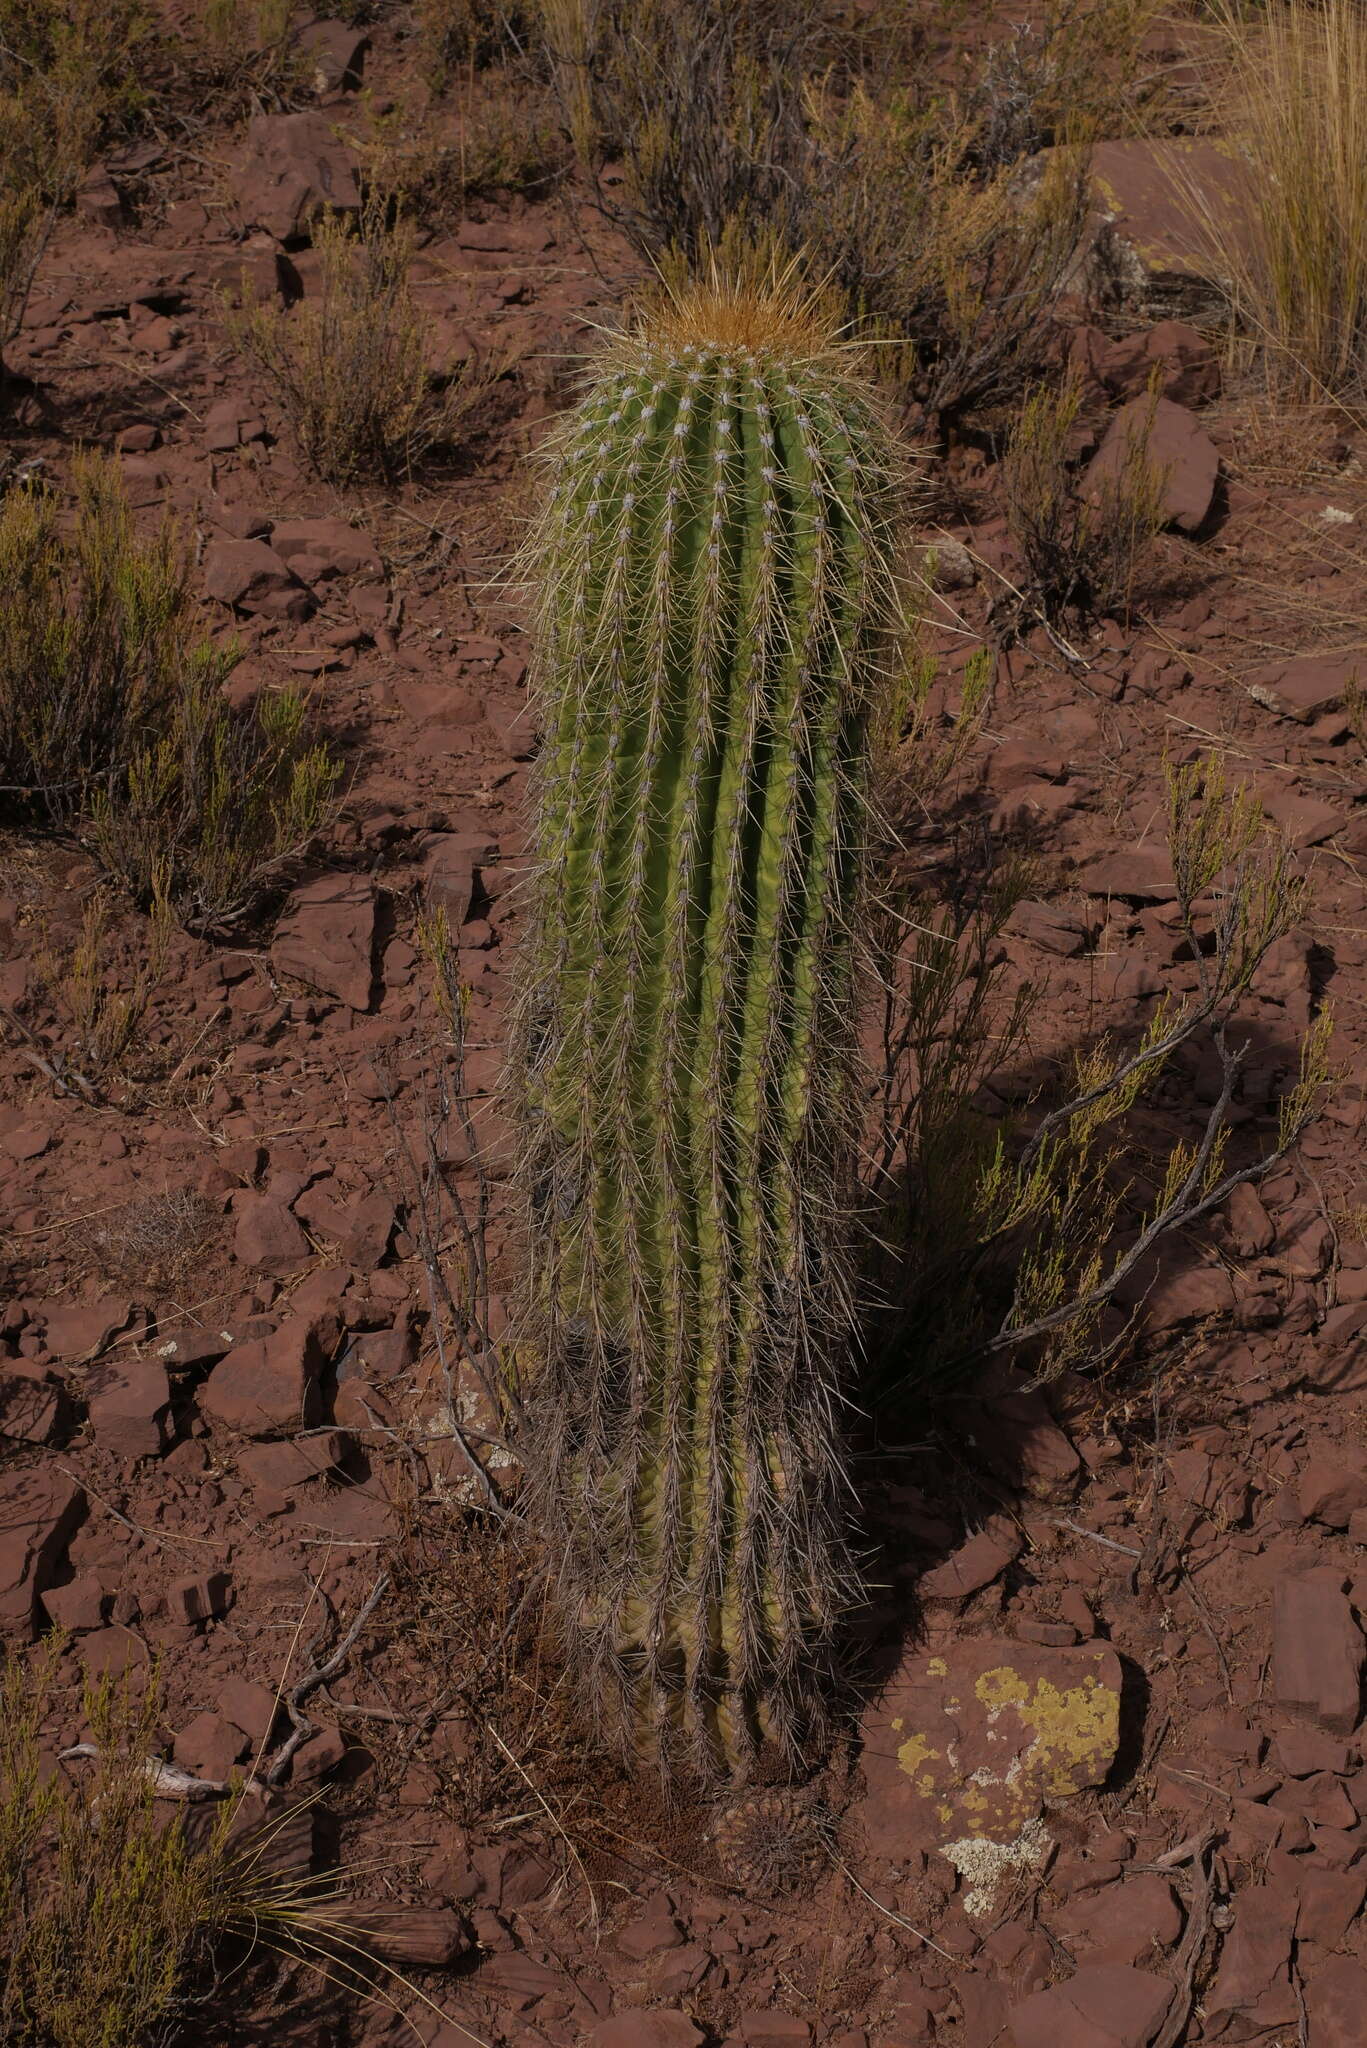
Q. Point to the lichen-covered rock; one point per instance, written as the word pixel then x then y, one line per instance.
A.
pixel 965 1751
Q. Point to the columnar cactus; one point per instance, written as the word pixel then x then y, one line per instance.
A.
pixel 716 603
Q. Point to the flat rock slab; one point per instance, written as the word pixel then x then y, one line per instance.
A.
pixel 1317 1649
pixel 1177 446
pixel 326 938
pixel 39 1510
pixel 1106 2005
pixel 972 1745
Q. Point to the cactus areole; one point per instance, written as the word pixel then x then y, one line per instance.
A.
pixel 716 609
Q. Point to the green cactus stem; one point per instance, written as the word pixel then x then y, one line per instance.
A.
pixel 717 604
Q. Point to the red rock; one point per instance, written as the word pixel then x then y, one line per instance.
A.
pixel 319 548
pixel 773 2030
pixel 111 1652
pixel 1178 447
pixel 77 1606
pixel 336 55
pixel 1306 687
pixel 975 1741
pixel 1328 1901
pixel 283 1467
pixel 250 575
pixel 974 1564
pixel 638 2028
pixel 1251 1229
pixel 1302 1752
pixel 655 1929
pixel 210 1745
pixel 1056 931
pixel 369 1227
pixel 1143 874
pixel 1317 1649
pixel 296 170
pixel 1336 2001
pixel 253 1707
pixel 1171 206
pixel 1254 1977
pixel 327 938
pixel 322 1753
pixel 1331 1492
pixel 452 872
pixel 202 1598
pixel 268 1237
pixel 83 1331
pixel 1014 1433
pixel 268 1385
pixel 185 1349
pixel 220 432
pixel 99 200
pixel 426 1937
pixel 1105 2005
pixel 32 1402
pixel 1125 1922
pixel 129 1405
pixel 1320 1798
pixel 1190 369
pixel 39 1509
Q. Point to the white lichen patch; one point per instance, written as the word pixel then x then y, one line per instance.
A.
pixel 983 1864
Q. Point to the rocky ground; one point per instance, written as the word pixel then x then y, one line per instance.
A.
pixel 1111 1791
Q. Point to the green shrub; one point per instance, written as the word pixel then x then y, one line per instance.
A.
pixel 349 367
pixel 113 722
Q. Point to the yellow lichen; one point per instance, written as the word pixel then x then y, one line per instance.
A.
pixel 1074 1726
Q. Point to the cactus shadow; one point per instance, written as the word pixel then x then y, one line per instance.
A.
pixel 950 1462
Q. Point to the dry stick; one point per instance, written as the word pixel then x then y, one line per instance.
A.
pixel 1187 1960
pixel 542 1802
pixel 69 1082
pixel 1203 1615
pixel 1092 1535
pixel 957 1962
pixel 303 1728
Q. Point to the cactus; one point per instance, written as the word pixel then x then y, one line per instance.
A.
pixel 716 604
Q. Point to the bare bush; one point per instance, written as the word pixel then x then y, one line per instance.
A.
pixel 152 1242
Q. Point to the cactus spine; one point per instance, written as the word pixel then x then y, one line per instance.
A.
pixel 716 602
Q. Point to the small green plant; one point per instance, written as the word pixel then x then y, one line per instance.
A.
pixel 717 610
pixel 113 721
pixel 349 367
pixel 1083 549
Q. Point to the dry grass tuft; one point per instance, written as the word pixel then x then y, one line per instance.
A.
pixel 152 1242
pixel 507 139
pixel 350 367
pixel 456 35
pixel 112 1914
pixel 1297 108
